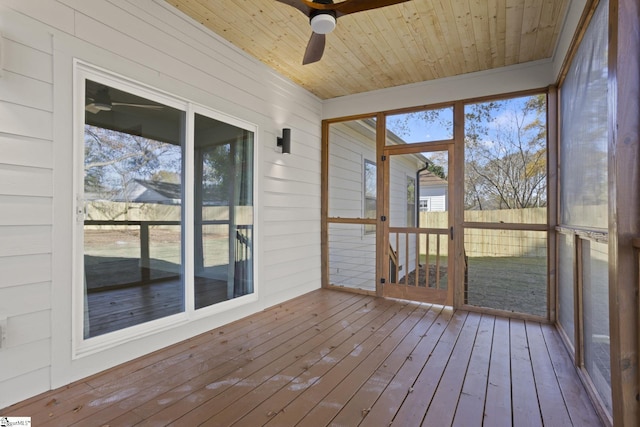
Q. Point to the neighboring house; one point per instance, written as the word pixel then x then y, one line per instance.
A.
pixel 141 191
pixel 162 193
pixel 433 192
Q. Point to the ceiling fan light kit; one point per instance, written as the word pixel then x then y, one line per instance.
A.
pixel 323 15
pixel 102 101
pixel 323 22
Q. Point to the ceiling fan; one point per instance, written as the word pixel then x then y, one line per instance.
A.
pixel 102 102
pixel 323 15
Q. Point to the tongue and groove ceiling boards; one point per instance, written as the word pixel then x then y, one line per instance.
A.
pixel 408 42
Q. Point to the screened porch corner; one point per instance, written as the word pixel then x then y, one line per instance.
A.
pixel 337 358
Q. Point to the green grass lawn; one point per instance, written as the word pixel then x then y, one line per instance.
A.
pixel 517 284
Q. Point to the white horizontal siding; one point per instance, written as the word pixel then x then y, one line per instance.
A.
pixel 438 203
pixel 25 151
pixel 296 228
pixel 18 210
pixel 38 300
pixel 31 383
pixel 23 361
pixel 283 200
pixel 23 90
pixel 28 328
pixel 29 61
pixel 25 121
pixel 301 213
pixel 25 240
pixel 26 191
pixel 24 270
pixel 348 149
pixel 25 181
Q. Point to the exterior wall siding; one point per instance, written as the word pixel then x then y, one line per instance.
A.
pixel 26 195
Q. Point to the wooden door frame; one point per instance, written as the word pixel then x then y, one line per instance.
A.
pixel 383 242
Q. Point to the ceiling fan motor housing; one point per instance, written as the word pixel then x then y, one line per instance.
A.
pixel 323 21
pixel 102 100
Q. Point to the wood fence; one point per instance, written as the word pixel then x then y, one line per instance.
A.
pixel 496 242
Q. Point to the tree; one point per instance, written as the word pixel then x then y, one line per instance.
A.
pixel 115 160
pixel 436 169
pixel 505 154
pixel 505 150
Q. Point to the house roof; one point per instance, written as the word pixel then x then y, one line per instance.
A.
pixel 410 42
pixel 167 193
pixel 429 179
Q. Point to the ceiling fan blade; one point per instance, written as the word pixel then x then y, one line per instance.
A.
pixel 147 106
pixel 315 48
pixel 351 6
pixel 92 108
pixel 296 3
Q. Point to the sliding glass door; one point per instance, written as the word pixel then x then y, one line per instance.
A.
pixel 154 246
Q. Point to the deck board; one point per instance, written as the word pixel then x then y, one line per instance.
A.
pixel 526 408
pixel 577 402
pixel 340 359
pixel 445 400
pixel 497 405
pixel 419 394
pixel 546 384
pixel 474 390
pixel 307 372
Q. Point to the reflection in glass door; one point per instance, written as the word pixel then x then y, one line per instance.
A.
pixel 133 210
pixel 137 250
pixel 223 222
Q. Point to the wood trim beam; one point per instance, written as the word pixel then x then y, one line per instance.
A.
pixel 382 236
pixel 587 14
pixel 506 226
pixel 624 206
pixel 456 206
pixel 362 221
pixel 593 235
pixel 552 201
pixel 414 148
pixel 324 205
pixel 507 95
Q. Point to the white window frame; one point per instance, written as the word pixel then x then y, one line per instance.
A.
pixel 82 347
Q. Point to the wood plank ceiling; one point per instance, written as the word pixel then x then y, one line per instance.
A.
pixel 414 41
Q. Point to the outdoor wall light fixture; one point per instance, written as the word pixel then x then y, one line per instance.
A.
pixel 285 141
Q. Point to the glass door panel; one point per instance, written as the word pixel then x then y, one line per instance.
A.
pixel 223 221
pixel 133 170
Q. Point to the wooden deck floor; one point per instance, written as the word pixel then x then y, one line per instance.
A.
pixel 334 358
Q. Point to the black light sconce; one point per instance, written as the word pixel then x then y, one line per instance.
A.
pixel 285 141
